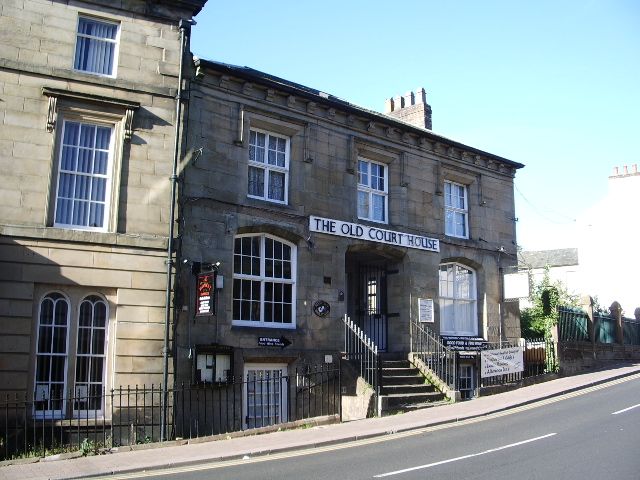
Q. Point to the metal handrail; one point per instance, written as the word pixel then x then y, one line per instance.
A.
pixel 360 348
pixel 427 347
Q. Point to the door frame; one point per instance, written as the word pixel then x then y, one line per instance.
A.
pixel 284 392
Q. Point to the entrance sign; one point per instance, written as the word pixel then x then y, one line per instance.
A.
pixel 425 310
pixel 501 362
pixel 464 344
pixel 205 298
pixel 372 234
pixel 281 342
pixel 516 286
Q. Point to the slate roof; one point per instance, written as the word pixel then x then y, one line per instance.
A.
pixel 320 96
pixel 562 257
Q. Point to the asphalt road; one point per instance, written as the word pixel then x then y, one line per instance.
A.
pixel 590 436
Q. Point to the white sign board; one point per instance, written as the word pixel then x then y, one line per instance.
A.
pixel 516 285
pixel 372 234
pixel 501 362
pixel 425 310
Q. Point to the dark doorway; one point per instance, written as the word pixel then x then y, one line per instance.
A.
pixel 373 303
pixel 368 296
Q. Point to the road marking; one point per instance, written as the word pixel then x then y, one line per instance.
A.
pixel 464 457
pixel 625 409
pixel 265 457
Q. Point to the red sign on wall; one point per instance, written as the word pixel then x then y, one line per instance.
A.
pixel 205 294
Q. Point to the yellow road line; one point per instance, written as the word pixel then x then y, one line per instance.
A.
pixel 368 441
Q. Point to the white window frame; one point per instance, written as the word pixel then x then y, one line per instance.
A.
pixel 78 392
pixel 116 42
pixel 457 300
pixel 108 176
pixel 269 169
pixel 263 279
pixel 37 390
pixel 371 191
pixel 450 209
pixel 69 405
pixel 282 368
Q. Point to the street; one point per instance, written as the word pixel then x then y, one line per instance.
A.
pixel 594 435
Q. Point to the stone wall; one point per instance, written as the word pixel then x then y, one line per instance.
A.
pixel 123 263
pixel 326 139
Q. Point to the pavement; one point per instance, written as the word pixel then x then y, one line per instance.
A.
pixel 174 454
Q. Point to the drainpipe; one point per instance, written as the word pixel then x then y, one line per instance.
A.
pixel 185 28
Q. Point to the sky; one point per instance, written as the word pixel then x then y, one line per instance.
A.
pixel 554 85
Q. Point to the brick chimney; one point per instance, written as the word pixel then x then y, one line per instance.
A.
pixel 410 108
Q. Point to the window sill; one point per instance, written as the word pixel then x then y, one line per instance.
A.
pixel 98 420
pixel 83 236
pixel 262 326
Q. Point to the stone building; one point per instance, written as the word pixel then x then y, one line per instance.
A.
pixel 88 124
pixel 310 208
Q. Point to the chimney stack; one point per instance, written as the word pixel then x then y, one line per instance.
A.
pixel 412 107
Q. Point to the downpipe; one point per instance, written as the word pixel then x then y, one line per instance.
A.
pixel 185 29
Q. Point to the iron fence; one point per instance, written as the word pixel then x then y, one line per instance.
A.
pixel 631 331
pixel 573 325
pixel 132 415
pixel 605 328
pixel 360 350
pixel 441 360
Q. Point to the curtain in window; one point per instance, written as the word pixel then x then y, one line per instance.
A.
pixel 256 182
pixel 457 300
pixel 378 207
pixel 95 46
pixel 83 177
pixel 276 186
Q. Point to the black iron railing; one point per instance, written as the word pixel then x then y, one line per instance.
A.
pixel 428 348
pixel 573 325
pixel 360 350
pixel 132 415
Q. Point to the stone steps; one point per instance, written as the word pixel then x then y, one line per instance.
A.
pixel 404 388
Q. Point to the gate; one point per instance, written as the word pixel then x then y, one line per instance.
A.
pixel 372 303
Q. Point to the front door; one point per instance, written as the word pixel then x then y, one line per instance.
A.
pixel 372 303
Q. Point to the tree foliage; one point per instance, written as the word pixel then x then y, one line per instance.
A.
pixel 546 295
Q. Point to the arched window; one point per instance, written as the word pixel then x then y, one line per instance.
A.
pixel 91 353
pixel 458 300
pixel 264 282
pixel 51 354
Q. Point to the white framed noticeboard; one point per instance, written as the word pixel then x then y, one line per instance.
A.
pixel 425 310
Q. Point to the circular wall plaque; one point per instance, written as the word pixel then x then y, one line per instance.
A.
pixel 321 308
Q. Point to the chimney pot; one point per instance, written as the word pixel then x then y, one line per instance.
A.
pixel 626 170
pixel 409 99
pixel 388 105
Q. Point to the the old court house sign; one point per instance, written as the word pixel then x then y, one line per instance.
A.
pixel 372 234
